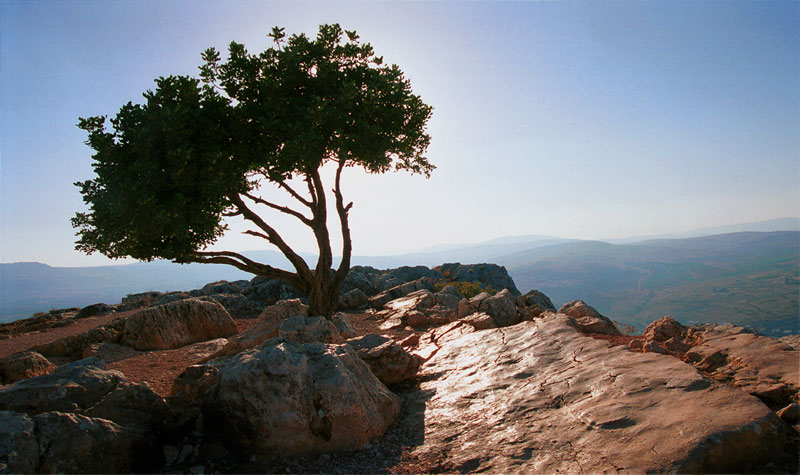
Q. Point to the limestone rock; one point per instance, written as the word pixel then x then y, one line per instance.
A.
pixel 269 291
pixel 448 297
pixel 541 398
pixel 266 326
pixel 204 350
pixel 109 352
pixel 170 297
pixel 487 275
pixel 502 307
pixel 95 309
pixel 663 329
pixel 74 347
pixel 177 324
pixel 192 384
pixel 389 361
pixel 361 278
pixel 132 405
pixel 534 298
pixel 86 387
pixel 790 413
pixel 791 340
pixel 19 450
pixel 378 301
pixel 78 444
pixel 238 305
pixel 480 321
pixel 294 399
pixel 353 299
pixel 224 287
pixel 302 329
pixel 23 365
pixel 588 320
pixel 759 365
pixel 140 300
pixel 71 387
pixel 343 325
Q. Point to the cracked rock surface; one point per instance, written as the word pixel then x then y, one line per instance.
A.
pixel 539 397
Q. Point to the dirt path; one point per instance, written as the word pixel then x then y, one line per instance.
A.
pixel 24 341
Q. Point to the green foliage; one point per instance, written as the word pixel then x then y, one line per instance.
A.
pixel 467 289
pixel 170 169
pixel 163 174
pixel 304 102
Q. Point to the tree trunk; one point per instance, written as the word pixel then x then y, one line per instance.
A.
pixel 323 297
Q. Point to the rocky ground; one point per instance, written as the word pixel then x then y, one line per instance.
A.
pixel 499 383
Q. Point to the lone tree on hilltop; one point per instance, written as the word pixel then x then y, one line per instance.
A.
pixel 197 151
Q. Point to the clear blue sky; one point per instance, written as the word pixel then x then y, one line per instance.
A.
pixel 586 119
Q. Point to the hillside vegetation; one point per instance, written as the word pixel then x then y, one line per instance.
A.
pixel 743 278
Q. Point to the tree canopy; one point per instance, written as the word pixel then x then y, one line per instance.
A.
pixel 171 169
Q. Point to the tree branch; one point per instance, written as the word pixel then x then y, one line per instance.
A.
pixel 311 191
pixel 282 209
pixel 347 244
pixel 296 195
pixel 273 237
pixel 248 265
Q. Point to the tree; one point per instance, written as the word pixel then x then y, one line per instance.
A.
pixel 196 151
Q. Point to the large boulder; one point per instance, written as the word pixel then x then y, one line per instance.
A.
pixel 361 278
pixel 55 442
pixel 588 320
pixel 502 307
pixel 95 309
pixel 266 326
pixel 224 287
pixel 302 329
pixel 290 398
pixel 86 387
pixel 487 275
pixel 19 450
pixel 534 298
pixel 23 365
pixel 71 387
pixel 423 283
pixel 411 273
pixel 75 346
pixel 389 361
pixel 664 329
pixel 539 397
pixel 448 297
pixel 177 324
pixel 269 291
pixel 353 299
pixel 238 305
pixel 140 300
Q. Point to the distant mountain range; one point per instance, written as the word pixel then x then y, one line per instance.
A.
pixel 746 278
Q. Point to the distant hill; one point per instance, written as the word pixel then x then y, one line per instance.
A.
pixel 780 224
pixel 746 278
pixel 749 278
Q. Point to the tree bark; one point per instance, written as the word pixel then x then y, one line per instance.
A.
pixel 321 284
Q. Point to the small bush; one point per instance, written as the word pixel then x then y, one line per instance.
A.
pixel 467 289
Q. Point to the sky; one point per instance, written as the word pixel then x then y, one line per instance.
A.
pixel 590 120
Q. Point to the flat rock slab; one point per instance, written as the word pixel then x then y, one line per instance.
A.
pixel 538 397
pixel 762 366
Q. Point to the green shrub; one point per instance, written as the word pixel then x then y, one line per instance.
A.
pixel 467 289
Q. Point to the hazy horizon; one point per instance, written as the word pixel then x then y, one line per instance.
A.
pixel 785 224
pixel 577 120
